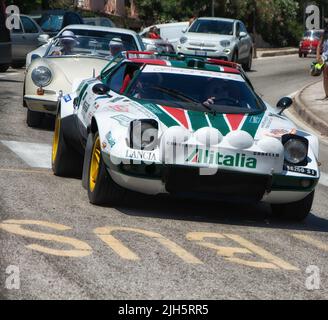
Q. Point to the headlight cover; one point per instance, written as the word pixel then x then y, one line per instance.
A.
pixel 225 43
pixel 144 134
pixel 296 149
pixel 183 40
pixel 41 76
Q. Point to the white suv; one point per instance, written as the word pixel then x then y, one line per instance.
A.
pixel 220 38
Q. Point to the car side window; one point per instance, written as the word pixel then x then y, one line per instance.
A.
pixel 115 81
pixel 243 28
pixel 20 30
pixel 29 26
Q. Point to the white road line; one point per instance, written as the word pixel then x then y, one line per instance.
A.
pixel 324 179
pixel 36 155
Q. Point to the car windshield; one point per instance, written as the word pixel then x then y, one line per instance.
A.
pixel 51 23
pixel 313 34
pixel 212 26
pixel 129 42
pixel 79 45
pixel 195 90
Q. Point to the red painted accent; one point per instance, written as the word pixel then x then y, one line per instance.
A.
pixel 235 120
pixel 178 114
pixel 231 70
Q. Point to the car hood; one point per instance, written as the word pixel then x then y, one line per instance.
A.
pixel 206 37
pixel 75 67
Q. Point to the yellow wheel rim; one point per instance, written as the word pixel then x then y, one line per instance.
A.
pixel 55 140
pixel 95 163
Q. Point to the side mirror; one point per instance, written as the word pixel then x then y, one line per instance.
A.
pixel 43 38
pixel 242 34
pixel 184 30
pixel 100 89
pixel 284 103
pixel 34 56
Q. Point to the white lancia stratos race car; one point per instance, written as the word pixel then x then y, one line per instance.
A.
pixel 185 126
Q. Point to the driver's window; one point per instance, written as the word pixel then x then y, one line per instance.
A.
pixel 115 82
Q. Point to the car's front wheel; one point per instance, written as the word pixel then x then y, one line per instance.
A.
pixel 102 189
pixel 66 162
pixel 34 118
pixel 4 67
pixel 295 211
pixel 248 65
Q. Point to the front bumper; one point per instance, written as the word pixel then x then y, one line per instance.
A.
pixel 45 103
pixel 221 185
pixel 206 52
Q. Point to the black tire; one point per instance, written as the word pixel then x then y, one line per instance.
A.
pixel 34 118
pixel 4 67
pixel 305 55
pixel 234 57
pixel 294 211
pixel 66 162
pixel 300 54
pixel 104 191
pixel 248 65
pixel 18 65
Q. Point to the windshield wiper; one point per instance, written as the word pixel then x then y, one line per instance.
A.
pixel 178 94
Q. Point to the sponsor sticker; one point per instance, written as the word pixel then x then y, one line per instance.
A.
pixel 67 98
pixel 110 139
pixel 123 120
pixel 140 155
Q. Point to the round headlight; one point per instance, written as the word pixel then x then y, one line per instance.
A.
pixel 144 134
pixel 295 151
pixel 41 76
pixel 183 40
pixel 225 43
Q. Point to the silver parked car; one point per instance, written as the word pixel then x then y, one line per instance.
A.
pixel 24 40
pixel 220 38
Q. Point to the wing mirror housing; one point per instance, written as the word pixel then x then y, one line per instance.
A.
pixel 100 89
pixel 242 34
pixel 43 38
pixel 284 103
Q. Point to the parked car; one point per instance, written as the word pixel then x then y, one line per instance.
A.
pixel 24 40
pixel 99 21
pixel 225 39
pixel 53 21
pixel 5 43
pixel 309 42
pixel 171 32
pixel 151 123
pixel 54 74
pixel 158 45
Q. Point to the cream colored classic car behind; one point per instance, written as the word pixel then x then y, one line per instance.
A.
pixel 77 54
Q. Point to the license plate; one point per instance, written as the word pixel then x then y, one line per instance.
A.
pixel 200 53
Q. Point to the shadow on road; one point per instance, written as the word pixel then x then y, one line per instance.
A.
pixel 250 215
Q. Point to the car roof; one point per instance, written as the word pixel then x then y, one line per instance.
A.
pixel 217 19
pixel 99 28
pixel 187 62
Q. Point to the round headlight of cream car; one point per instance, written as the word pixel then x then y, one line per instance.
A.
pixel 41 76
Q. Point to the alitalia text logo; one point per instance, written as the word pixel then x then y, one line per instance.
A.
pixel 239 160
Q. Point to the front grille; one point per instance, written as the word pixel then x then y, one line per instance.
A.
pixel 224 185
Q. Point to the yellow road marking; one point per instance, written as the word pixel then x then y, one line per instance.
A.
pixel 82 249
pixel 229 253
pixel 104 233
pixel 319 244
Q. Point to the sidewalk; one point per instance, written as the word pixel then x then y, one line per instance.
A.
pixel 264 53
pixel 311 109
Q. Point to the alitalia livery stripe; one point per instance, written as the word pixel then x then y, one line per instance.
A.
pixel 219 123
pixel 234 120
pixel 178 114
pixel 252 123
pixel 163 116
pixel 197 119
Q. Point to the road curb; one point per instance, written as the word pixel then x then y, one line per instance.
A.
pixel 277 53
pixel 309 117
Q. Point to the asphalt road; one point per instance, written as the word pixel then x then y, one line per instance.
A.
pixel 55 245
